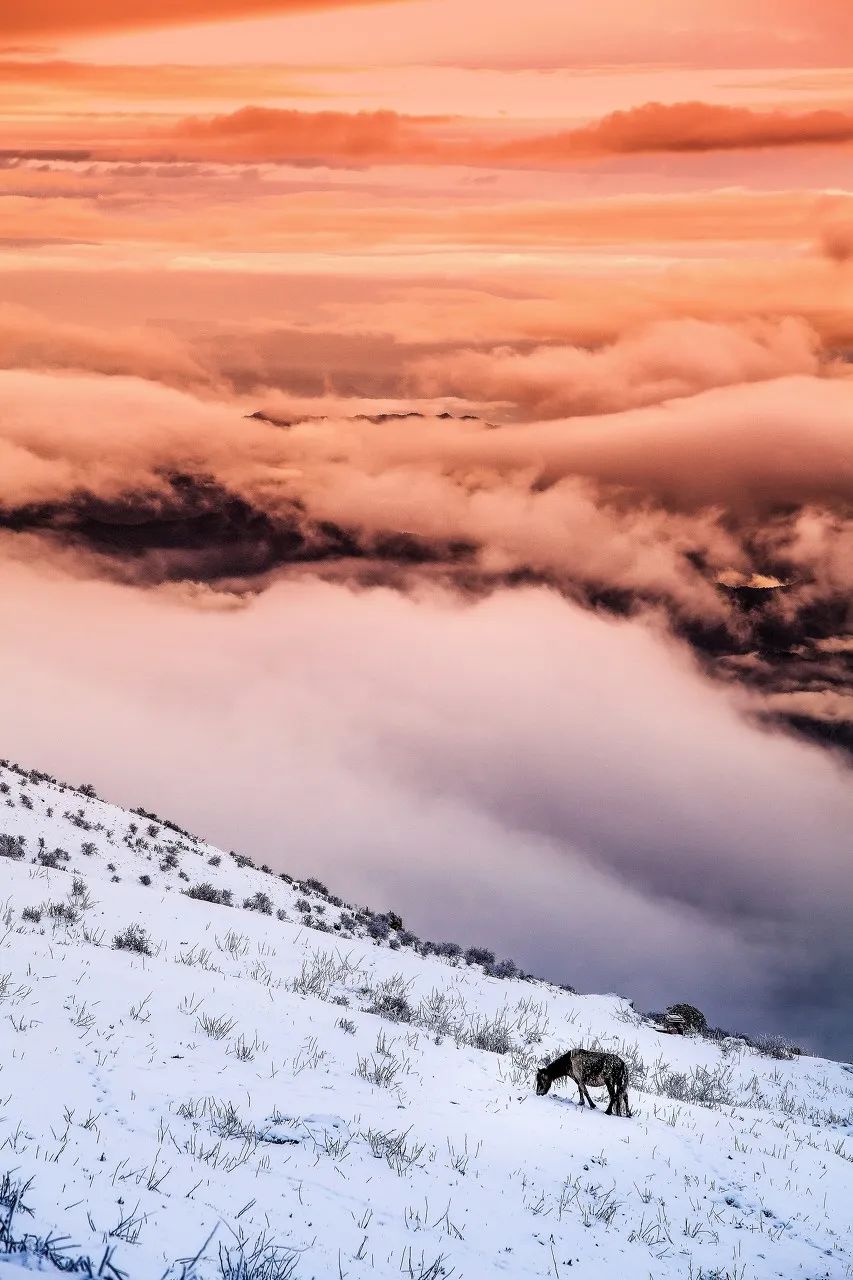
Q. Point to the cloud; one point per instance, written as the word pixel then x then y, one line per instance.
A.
pixel 685 127
pixel 29 340
pixel 39 18
pixel 515 747
pixel 255 133
pixel 668 359
pixel 317 137
pixel 164 485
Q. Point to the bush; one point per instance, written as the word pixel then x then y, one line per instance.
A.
pixel 776 1046
pixel 302 904
pixel 258 902
pixel 63 912
pixel 503 969
pixel 206 893
pixel 378 927
pixel 52 858
pixel 170 861
pixel 479 955
pixel 134 939
pixel 214 861
pixel 315 886
pixel 146 880
pixel 11 846
pixel 694 1019
pixel 242 859
pixel 390 1000
pixel 32 914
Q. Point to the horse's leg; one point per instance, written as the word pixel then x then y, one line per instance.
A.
pixel 580 1088
pixel 588 1098
pixel 614 1097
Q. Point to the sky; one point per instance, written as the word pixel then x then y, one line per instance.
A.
pixel 426 462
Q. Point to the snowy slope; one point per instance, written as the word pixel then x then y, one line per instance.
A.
pixel 232 1095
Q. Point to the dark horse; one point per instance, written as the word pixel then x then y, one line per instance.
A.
pixel 589 1067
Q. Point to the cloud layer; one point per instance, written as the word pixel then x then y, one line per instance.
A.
pixel 521 749
pixel 40 18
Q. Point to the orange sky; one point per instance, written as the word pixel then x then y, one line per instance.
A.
pixel 642 159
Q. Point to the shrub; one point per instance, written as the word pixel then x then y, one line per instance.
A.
pixel 32 914
pixel 775 1046
pixel 302 904
pixel 206 893
pixel 315 886
pixel 259 902
pixel 88 848
pixel 146 880
pixel 390 1000
pixel 11 846
pixel 170 861
pixel 378 927
pixel 63 912
pixel 694 1019
pixel 134 938
pixel 479 955
pixel 53 857
pixel 242 859
pixel 492 1034
pixel 347 1025
pixel 503 969
pixel 214 861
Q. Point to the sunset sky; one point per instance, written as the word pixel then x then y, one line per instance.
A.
pixel 605 254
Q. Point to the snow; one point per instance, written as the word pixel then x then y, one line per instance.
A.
pixel 229 1096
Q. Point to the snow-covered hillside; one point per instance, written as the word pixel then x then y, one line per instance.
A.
pixel 288 1087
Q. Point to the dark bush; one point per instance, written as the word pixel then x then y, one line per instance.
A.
pixel 11 846
pixel 450 949
pixel 206 893
pixel 258 902
pixel 53 857
pixel 146 880
pixel 479 955
pixel 63 912
pixel 32 914
pixel 134 938
pixel 315 886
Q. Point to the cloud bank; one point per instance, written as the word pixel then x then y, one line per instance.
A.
pixel 40 18
pixel 519 749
